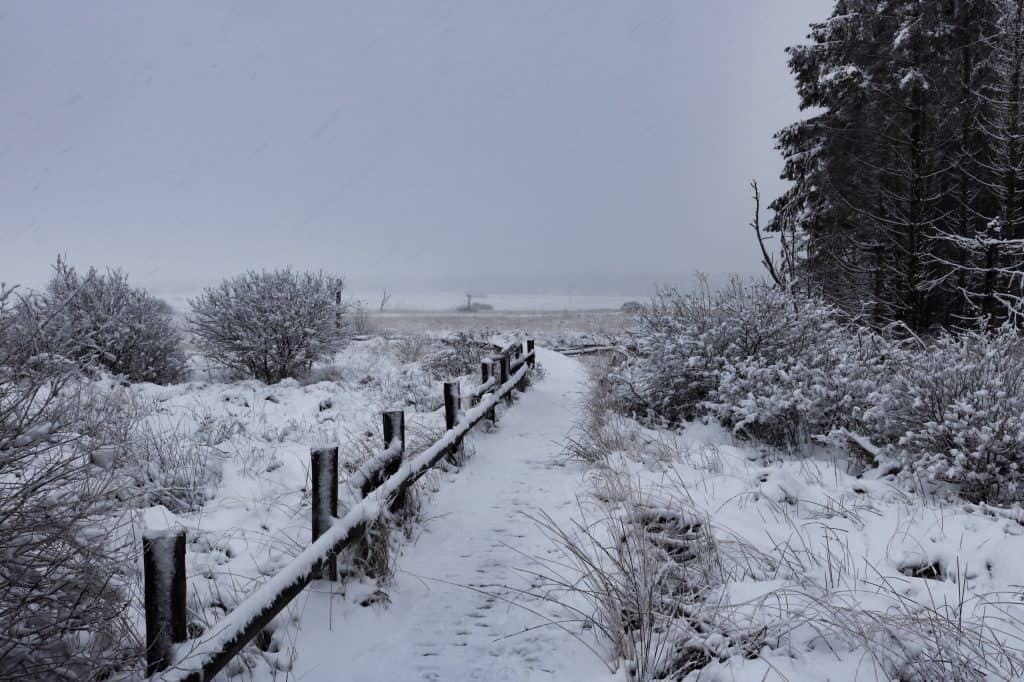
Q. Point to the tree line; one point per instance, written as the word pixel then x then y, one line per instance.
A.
pixel 907 195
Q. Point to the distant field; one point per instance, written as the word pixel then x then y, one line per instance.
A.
pixel 547 315
pixel 450 301
pixel 547 323
pixel 435 301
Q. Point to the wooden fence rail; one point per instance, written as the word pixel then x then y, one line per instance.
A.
pixel 378 486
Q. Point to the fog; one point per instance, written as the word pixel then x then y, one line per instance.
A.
pixel 596 147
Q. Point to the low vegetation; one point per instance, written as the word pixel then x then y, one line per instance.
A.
pixel 269 325
pixel 789 371
pixel 100 322
pixel 703 558
pixel 855 454
pixel 64 590
pixel 101 433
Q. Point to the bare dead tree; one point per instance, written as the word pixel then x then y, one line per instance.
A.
pixel 767 260
pixel 385 297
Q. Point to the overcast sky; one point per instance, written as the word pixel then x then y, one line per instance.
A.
pixel 510 146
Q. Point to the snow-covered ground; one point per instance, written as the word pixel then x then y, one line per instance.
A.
pixel 797 570
pixel 791 569
pixel 465 604
pixel 253 442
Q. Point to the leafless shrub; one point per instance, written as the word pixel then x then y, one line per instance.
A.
pixel 412 347
pixel 100 322
pixel 270 325
pixel 458 354
pixel 63 592
pixel 788 370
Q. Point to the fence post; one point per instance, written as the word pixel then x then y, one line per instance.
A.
pixel 324 465
pixel 163 563
pixel 503 375
pixel 452 399
pixel 519 353
pixel 495 372
pixel 337 311
pixel 394 427
pixel 486 374
pixel 531 351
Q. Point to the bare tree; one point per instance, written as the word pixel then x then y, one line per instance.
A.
pixel 782 268
pixel 471 306
pixel 385 297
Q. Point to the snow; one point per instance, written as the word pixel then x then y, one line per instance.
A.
pixel 466 603
pixel 836 569
pixel 193 655
pixel 159 518
pixel 903 36
pixel 352 488
pixel 484 388
pixel 912 78
pixel 459 607
pixel 844 72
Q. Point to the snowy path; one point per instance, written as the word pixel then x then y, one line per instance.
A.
pixel 450 616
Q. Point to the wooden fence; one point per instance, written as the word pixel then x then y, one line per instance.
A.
pixel 378 486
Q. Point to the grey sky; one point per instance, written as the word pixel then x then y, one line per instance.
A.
pixel 593 146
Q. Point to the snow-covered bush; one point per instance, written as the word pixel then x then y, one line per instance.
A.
pixel 97 321
pixel 63 600
pixel 746 352
pixel 956 411
pixel 820 389
pixel 458 354
pixel 786 369
pixel 678 360
pixel 101 321
pixel 269 325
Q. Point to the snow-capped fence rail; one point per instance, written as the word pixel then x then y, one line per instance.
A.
pixel 377 487
pixel 591 349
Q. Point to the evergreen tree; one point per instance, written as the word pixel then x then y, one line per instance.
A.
pixel 906 180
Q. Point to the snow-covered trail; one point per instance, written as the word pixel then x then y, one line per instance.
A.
pixel 456 605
